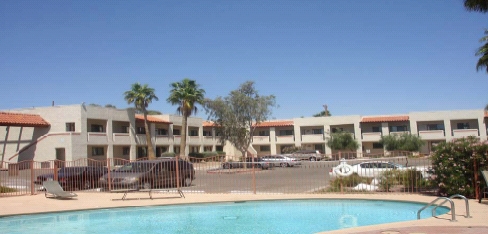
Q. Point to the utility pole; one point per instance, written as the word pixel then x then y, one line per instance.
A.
pixel 325 108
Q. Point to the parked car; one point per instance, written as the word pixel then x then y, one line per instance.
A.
pixel 374 169
pixel 281 160
pixel 311 155
pixel 258 162
pixel 85 177
pixel 159 173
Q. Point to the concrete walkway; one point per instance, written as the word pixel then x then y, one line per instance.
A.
pixel 91 200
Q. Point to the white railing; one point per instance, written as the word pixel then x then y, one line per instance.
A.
pixel 460 133
pixel 432 134
pixel 371 136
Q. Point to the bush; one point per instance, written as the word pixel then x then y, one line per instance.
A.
pixel 408 178
pixel 455 165
pixel 168 154
pixel 348 181
pixel 291 149
pixel 7 190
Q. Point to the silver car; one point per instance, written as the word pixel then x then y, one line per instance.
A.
pixel 281 160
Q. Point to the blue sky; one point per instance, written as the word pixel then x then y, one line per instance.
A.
pixel 358 57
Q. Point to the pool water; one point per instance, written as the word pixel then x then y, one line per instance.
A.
pixel 282 216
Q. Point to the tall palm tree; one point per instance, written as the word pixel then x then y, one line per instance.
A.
pixel 141 96
pixel 476 5
pixel 483 52
pixel 185 95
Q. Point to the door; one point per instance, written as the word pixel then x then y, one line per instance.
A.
pixel 60 157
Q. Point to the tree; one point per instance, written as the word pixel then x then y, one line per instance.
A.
pixel 322 113
pixel 149 112
pixel 403 142
pixel 185 95
pixel 476 5
pixel 342 141
pixel 142 96
pixel 237 115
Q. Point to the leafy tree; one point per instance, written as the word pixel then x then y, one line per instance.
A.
pixel 342 141
pixel 149 112
pixel 403 142
pixel 237 115
pixel 476 5
pixel 185 95
pixel 142 96
pixel 322 113
pixel 110 106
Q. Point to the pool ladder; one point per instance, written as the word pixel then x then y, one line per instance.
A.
pixel 453 208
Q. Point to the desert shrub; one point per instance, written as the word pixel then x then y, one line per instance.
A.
pixel 7 190
pixel 291 149
pixel 407 178
pixel 456 164
pixel 168 154
pixel 349 181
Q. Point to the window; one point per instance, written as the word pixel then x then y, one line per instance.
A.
pixel 126 151
pixel 207 133
pixel 219 148
pixel 97 151
pixel 263 133
pixel 141 130
pixel 264 148
pixel 176 132
pixel 319 147
pixel 194 149
pixel 207 149
pixel 377 145
pixel 317 131
pixel 463 126
pixel 70 127
pixel 376 129
pixel 176 149
pixel 124 129
pixel 398 128
pixel 193 132
pixel 286 132
pixel 96 128
pixel 435 126
pixel 161 132
pixel 334 130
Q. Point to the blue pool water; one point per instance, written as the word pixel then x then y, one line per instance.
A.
pixel 282 216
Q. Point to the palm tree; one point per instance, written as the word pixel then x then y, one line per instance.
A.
pixel 185 95
pixel 483 52
pixel 141 96
pixel 476 5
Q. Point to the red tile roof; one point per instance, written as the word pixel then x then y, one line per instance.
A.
pixel 208 124
pixel 22 120
pixel 152 119
pixel 375 119
pixel 275 124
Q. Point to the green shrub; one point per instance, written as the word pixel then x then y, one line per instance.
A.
pixel 7 190
pixel 168 154
pixel 349 181
pixel 407 178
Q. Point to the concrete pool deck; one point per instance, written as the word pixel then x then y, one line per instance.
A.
pixel 90 200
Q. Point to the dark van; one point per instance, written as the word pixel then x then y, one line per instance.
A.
pixel 160 173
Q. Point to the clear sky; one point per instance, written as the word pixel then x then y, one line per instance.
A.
pixel 358 57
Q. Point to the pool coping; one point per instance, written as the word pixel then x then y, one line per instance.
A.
pixel 30 204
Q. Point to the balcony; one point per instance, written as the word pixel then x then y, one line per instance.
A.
pixel 432 134
pixel 310 138
pixel 141 139
pixel 163 140
pixel 121 138
pixel 371 136
pixel 210 140
pixel 285 139
pixel 460 133
pixel 97 138
pixel 193 139
pixel 399 133
pixel 177 139
pixel 256 140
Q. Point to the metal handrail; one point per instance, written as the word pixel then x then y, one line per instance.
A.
pixel 454 196
pixel 453 209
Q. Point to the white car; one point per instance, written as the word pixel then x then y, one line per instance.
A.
pixel 281 160
pixel 374 169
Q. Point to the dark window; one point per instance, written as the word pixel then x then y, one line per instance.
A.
pixel 161 132
pixel 124 129
pixel 193 132
pixel 435 126
pixel 176 132
pixel 70 127
pixel 97 151
pixel 263 133
pixel 286 132
pixel 141 130
pixel 376 129
pixel 377 145
pixel 463 126
pixel 126 151
pixel 398 128
pixel 219 148
pixel 207 133
pixel 96 128
pixel 317 131
pixel 264 148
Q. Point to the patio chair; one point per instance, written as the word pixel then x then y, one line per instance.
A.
pixel 56 191
pixel 485 191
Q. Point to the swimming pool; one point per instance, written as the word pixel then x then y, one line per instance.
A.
pixel 277 216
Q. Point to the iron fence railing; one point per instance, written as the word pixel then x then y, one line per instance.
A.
pixel 399 174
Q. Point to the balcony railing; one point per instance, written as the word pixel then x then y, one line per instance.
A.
pixel 313 138
pixel 121 138
pixel 97 138
pixel 432 134
pixel 399 133
pixel 163 139
pixel 285 139
pixel 460 133
pixel 371 136
pixel 193 139
pixel 141 139
pixel 260 140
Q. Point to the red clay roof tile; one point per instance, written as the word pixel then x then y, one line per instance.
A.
pixel 275 124
pixel 152 119
pixel 375 119
pixel 208 124
pixel 22 120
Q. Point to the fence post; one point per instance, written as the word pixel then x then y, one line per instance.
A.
pixel 177 173
pixel 33 190
pixel 109 181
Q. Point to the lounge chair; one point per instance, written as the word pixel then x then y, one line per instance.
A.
pixel 485 191
pixel 55 190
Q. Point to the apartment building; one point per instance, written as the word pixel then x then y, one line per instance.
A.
pixel 83 131
pixel 313 132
